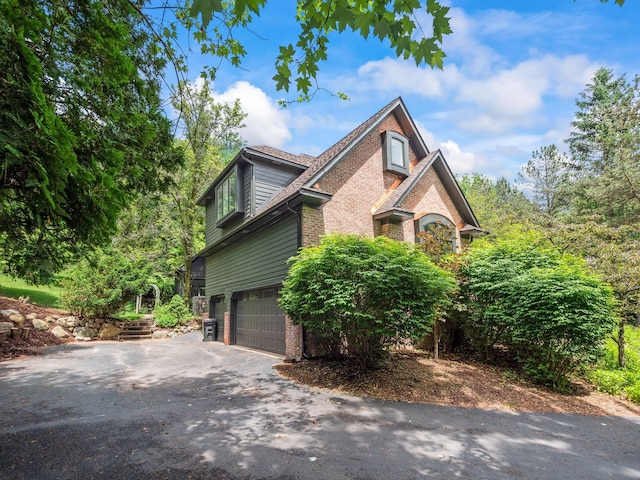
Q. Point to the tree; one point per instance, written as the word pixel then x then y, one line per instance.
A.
pixel 211 136
pixel 102 283
pixel 167 228
pixel 497 205
pixel 605 145
pixel 82 127
pixel 614 254
pixel 363 295
pixel 214 24
pixel 546 174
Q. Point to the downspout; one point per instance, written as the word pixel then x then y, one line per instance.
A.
pixel 305 355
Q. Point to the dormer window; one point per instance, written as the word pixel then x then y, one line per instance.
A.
pixel 229 199
pixel 396 153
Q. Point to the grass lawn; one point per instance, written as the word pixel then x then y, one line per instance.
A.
pixel 45 295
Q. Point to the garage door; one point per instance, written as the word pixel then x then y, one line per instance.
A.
pixel 260 321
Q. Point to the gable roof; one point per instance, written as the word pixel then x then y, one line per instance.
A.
pixel 314 168
pixel 322 164
pixel 436 161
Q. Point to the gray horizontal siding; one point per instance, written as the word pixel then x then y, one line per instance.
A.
pixel 261 182
pixel 258 261
pixel 269 181
pixel 211 232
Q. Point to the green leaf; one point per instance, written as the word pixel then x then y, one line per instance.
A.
pixel 206 9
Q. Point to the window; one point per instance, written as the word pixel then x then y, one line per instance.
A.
pixel 437 233
pixel 229 197
pixel 396 153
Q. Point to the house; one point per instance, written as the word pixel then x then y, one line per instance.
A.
pixel 381 179
pixel 197 278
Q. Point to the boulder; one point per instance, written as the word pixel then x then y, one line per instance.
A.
pixel 50 319
pixel 69 322
pixel 85 333
pixel 108 331
pixel 32 316
pixel 60 332
pixel 7 313
pixel 159 334
pixel 5 328
pixel 41 325
pixel 18 319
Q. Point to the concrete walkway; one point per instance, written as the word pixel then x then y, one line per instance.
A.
pixel 187 409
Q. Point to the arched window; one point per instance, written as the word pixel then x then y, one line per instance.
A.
pixel 440 230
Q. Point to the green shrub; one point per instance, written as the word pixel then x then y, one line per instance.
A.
pixel 609 378
pixel 175 313
pixel 359 296
pixel 609 381
pixel 544 308
pixel 102 284
pixel 633 392
pixel 126 316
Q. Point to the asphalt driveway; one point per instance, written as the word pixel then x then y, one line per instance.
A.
pixel 187 409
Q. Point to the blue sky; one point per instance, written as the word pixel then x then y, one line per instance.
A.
pixel 511 77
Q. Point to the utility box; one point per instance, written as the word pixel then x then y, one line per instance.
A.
pixel 209 330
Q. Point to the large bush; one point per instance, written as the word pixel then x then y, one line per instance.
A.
pixel 361 295
pixel 101 284
pixel 542 306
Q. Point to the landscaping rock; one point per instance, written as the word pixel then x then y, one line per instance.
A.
pixel 18 319
pixel 159 334
pixel 50 319
pixel 5 328
pixel 60 332
pixel 85 333
pixel 69 322
pixel 41 325
pixel 32 316
pixel 108 331
pixel 8 313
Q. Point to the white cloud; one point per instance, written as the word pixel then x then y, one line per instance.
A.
pixel 266 123
pixel 459 161
pixel 516 97
pixel 399 75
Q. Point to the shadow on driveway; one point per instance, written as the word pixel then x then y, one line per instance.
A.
pixel 183 408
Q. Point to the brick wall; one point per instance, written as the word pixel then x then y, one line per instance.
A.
pixel 293 340
pixel 392 230
pixel 358 183
pixel 429 196
pixel 312 225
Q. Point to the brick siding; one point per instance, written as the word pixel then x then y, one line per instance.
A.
pixel 358 183
pixel 429 196
pixel 312 225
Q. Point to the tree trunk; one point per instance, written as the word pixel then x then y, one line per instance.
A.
pixel 187 277
pixel 621 359
pixel 435 340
